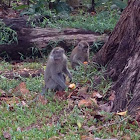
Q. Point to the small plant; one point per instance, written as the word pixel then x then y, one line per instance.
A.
pixel 96 46
pixel 104 20
pixel 7 35
pixel 110 4
pixel 5 66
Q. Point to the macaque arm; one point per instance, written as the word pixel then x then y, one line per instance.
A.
pixel 76 60
pixel 57 79
pixel 67 72
pixel 86 59
pixel 43 91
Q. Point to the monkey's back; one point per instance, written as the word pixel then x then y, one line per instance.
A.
pixel 73 53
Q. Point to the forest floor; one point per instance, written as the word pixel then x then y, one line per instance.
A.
pixel 81 112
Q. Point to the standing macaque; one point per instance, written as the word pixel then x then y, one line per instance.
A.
pixel 55 69
pixel 80 54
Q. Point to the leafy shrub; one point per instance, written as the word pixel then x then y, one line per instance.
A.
pixel 110 4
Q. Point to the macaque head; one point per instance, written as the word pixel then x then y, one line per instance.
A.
pixel 83 46
pixel 57 53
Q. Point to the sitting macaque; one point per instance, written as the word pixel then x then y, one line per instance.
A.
pixel 55 69
pixel 80 54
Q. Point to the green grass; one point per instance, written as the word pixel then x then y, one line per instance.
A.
pixel 60 117
pixel 32 65
pixel 5 66
pixel 7 35
pixel 85 76
pixel 97 23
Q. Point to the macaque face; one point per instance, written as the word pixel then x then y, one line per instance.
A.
pixel 84 47
pixel 58 54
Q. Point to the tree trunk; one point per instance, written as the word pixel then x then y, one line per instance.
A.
pixel 122 55
pixel 92 9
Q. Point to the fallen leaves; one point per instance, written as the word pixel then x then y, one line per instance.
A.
pixel 95 94
pixel 2 92
pixel 84 137
pixel 93 13
pixel 54 138
pixel 122 113
pixel 61 95
pixel 19 96
pixel 138 117
pixel 83 98
pixel 7 135
pixel 42 100
pixel 21 88
pixel 89 129
pixel 112 97
pixel 23 103
pixel 73 93
pixel 83 91
pixel 22 92
pixel 85 103
pixel 12 101
pixel 126 137
pixel 79 124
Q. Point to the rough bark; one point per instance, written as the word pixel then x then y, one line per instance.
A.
pixel 43 38
pixel 122 55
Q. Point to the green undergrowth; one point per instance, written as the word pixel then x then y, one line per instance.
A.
pixel 7 35
pixel 98 23
pixel 60 118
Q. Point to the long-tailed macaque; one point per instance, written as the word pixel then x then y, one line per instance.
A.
pixel 55 69
pixel 80 54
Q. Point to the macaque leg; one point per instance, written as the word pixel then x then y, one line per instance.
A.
pixel 63 78
pixel 51 84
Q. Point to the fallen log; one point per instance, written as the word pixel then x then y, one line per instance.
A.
pixel 41 38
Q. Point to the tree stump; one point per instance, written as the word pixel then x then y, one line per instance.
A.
pixel 122 55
